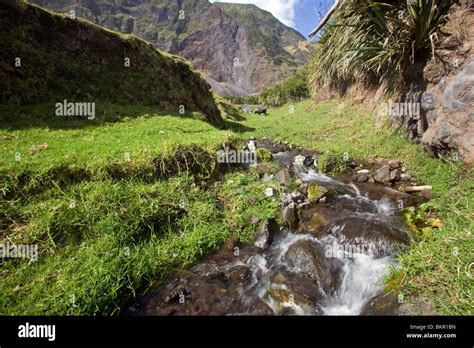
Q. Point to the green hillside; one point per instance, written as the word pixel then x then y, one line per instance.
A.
pixel 47 58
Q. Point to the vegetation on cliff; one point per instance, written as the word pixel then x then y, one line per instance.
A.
pixel 368 42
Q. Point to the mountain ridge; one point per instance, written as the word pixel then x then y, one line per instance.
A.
pixel 222 40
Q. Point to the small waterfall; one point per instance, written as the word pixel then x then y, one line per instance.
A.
pixel 361 281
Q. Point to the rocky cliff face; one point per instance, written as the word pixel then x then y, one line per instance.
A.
pixel 48 58
pixel 239 48
pixel 449 97
pixel 443 92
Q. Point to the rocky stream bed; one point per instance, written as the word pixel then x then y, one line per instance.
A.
pixel 334 244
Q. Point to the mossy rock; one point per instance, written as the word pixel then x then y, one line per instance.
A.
pixel 263 155
pixel 316 192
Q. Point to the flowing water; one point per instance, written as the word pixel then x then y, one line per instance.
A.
pixel 332 264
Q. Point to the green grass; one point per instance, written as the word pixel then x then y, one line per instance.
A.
pixel 94 150
pixel 109 225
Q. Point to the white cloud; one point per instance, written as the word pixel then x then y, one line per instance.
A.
pixel 284 10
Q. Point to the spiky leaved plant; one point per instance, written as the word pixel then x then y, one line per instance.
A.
pixel 369 41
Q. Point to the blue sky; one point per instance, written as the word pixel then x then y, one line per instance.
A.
pixel 303 15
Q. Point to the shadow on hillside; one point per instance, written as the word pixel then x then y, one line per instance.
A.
pixel 232 113
pixel 13 117
pixel 237 127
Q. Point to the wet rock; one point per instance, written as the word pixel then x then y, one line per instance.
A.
pixel 258 308
pixel 290 215
pixel 315 192
pixel 312 222
pixel 382 175
pixel 384 304
pixel 178 294
pixel 266 234
pixel 238 274
pixel 372 237
pixel 283 177
pixel 309 161
pixel 299 160
pixel 307 257
pixel 295 298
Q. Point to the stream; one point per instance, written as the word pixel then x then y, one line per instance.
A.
pixel 331 261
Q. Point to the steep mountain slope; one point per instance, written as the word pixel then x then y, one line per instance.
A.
pixel 46 57
pixel 239 48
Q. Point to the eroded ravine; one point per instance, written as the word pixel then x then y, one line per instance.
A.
pixel 329 258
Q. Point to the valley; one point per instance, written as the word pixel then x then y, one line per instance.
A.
pixel 132 210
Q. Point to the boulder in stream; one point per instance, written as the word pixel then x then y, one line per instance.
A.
pixel 290 214
pixel 315 192
pixel 308 258
pixel 370 236
pixel 266 234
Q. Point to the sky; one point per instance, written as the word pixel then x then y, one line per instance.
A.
pixel 302 15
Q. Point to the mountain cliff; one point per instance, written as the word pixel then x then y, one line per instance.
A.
pixel 239 48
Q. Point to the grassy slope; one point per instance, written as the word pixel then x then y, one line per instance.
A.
pixel 78 61
pixel 104 236
pixel 135 233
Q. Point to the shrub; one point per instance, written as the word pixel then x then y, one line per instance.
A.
pixel 370 41
pixel 293 89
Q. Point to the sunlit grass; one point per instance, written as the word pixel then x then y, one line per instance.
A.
pixel 127 231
